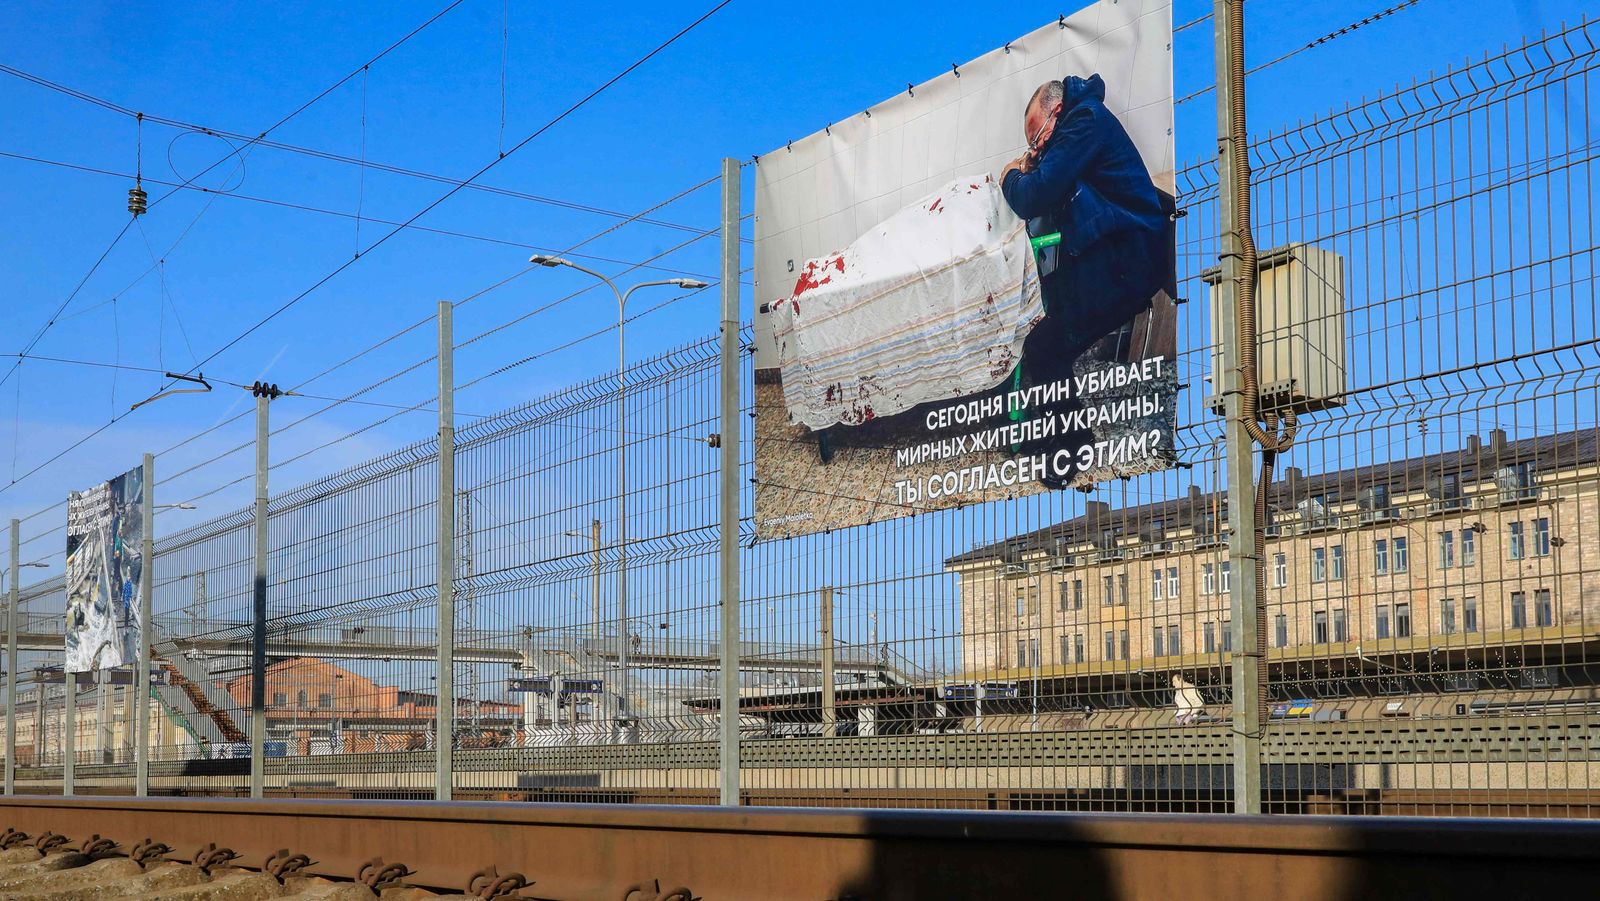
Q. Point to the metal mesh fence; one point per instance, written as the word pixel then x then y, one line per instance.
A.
pixel 1429 552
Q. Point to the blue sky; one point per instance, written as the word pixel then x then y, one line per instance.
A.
pixel 199 268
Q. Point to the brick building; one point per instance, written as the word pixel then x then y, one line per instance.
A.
pixel 320 707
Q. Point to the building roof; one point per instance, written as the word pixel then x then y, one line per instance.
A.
pixel 1205 512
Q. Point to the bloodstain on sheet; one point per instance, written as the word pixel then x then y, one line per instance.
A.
pixel 815 276
pixel 934 208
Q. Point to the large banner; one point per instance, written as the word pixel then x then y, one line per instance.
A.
pixel 105 540
pixel 966 292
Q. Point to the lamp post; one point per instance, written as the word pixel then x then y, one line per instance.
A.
pixel 623 714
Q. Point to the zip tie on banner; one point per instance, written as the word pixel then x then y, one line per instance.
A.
pixel 956 69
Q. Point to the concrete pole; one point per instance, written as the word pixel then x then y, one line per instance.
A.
pixel 729 431
pixel 1248 650
pixel 830 714
pixel 11 659
pixel 258 624
pixel 69 735
pixel 147 582
pixel 445 562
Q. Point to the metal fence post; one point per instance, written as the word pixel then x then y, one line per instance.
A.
pixel 258 631
pixel 12 596
pixel 147 581
pixel 729 432
pixel 444 707
pixel 1247 637
pixel 830 714
pixel 69 734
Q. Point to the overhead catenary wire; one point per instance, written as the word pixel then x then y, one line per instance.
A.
pixel 359 161
pixel 397 229
pixel 1310 45
pixel 385 341
pixel 140 118
pixel 358 215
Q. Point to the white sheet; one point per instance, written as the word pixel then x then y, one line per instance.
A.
pixel 931 304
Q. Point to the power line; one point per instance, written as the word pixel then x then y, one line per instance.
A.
pixel 454 190
pixel 39 335
pixel 235 152
pixel 397 229
pixel 307 208
pixel 412 327
pixel 1333 35
pixel 330 156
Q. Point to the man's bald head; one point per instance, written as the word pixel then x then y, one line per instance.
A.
pixel 1038 120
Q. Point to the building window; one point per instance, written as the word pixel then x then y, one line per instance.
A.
pixel 1122 589
pixel 1111 597
pixel 1469 547
pixel 1077 594
pixel 1159 639
pixel 1469 615
pixel 1122 640
pixel 1033 652
pixel 1077 648
pixel 1447 550
pixel 1158 584
pixel 1319 627
pixel 1281 623
pixel 1402 555
pixel 1519 610
pixel 1022 652
pixel 279 699
pixel 1174 640
pixel 1402 620
pixel 1514 542
pixel 1063 597
pixel 1208 579
pixel 1280 570
pixel 1541 537
pixel 1382 621
pixel 1543 615
pixel 1227 635
pixel 1227 576
pixel 1341 630
pixel 1066 655
pixel 1337 552
pixel 1022 602
pixel 1208 632
pixel 1111 645
pixel 1447 615
pixel 1172 582
pixel 301 698
pixel 1380 556
pixel 1319 564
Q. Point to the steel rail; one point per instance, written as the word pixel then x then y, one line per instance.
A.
pixel 595 852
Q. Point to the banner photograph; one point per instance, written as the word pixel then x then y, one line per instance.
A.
pixel 965 293
pixel 105 534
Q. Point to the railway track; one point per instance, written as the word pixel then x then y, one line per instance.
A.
pixel 64 848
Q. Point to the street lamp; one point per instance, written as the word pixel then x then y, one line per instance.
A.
pixel 622 457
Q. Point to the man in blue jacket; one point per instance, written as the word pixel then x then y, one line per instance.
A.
pixel 1108 285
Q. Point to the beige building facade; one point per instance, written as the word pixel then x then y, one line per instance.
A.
pixel 1455 557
